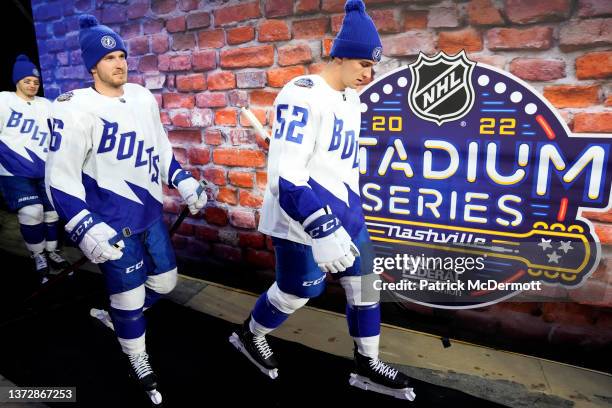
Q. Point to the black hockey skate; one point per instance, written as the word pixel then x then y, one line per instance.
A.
pixel 56 260
pixel 41 266
pixel 142 371
pixel 374 375
pixel 256 349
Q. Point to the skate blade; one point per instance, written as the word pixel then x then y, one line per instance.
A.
pixel 102 316
pixel 155 396
pixel 235 340
pixel 366 384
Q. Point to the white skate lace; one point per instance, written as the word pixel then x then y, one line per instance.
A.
pixel 383 368
pixel 140 364
pixel 40 260
pixel 56 257
pixel 262 346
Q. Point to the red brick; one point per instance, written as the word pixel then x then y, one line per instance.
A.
pixel 148 63
pixel 443 17
pixel 264 259
pixel 228 195
pixel 258 56
pixel 180 155
pixel 185 136
pixel 608 103
pixel 572 96
pixel 251 79
pixel 453 42
pixel 262 179
pixel 239 157
pixel 153 26
pixel 240 35
pixel 294 54
pixel 248 199
pixel 175 25
pixel 273 30
pixel 180 118
pixel 536 69
pixel 227 252
pixel 594 65
pixel 260 114
pixel 225 117
pixel 137 10
pixel 165 118
pixel 129 30
pixel 220 81
pixel 204 60
pixel 336 23
pixel 206 232
pixel 483 12
pixel 415 19
pixel 139 45
pixel 198 20
pixel 188 83
pixel 211 100
pixel 278 77
pixel 579 34
pixel 526 11
pixel 236 13
pixel 159 43
pixel 385 21
pixel 240 137
pixel 495 60
pixel 199 155
pixel 216 216
pixel 316 68
pixel 213 137
pixel 175 100
pixel 251 239
pixel 163 6
pixel 333 6
pixel 326 46
pixel 211 39
pixel 278 8
pixel 188 5
pixel 600 122
pixel 183 41
pixel 241 179
pixel 593 8
pixel 307 6
pixel 174 62
pixel 410 43
pixel 262 97
pixel 313 28
pixel 535 38
pixel 237 98
pixel 243 219
pixel 215 175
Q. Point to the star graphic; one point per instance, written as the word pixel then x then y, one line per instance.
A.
pixel 565 246
pixel 553 257
pixel 545 244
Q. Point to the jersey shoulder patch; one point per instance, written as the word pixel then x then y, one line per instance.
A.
pixel 66 96
pixel 304 83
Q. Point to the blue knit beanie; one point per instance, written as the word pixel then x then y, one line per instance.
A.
pixel 97 40
pixel 24 68
pixel 358 37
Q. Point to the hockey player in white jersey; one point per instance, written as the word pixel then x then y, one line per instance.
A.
pixel 109 157
pixel 24 141
pixel 312 208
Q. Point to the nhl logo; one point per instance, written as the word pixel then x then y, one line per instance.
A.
pixel 108 42
pixel 441 89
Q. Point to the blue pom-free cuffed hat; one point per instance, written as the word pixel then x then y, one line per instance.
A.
pixel 24 68
pixel 358 37
pixel 97 40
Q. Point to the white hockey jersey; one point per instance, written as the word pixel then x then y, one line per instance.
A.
pixel 24 135
pixel 313 159
pixel 109 155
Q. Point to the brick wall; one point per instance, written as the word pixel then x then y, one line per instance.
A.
pixel 204 59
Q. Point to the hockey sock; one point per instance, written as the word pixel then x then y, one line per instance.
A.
pixel 364 327
pixel 265 316
pixel 130 329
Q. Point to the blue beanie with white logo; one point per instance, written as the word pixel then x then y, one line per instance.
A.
pixel 358 37
pixel 97 40
pixel 24 68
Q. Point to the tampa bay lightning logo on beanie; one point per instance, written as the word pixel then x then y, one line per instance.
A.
pixel 108 42
pixel 97 40
pixel 358 37
pixel 24 68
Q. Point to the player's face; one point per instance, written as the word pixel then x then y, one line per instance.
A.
pixel 356 72
pixel 112 69
pixel 29 86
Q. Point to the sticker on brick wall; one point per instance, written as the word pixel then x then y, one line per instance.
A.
pixel 473 185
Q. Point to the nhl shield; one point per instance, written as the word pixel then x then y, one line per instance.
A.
pixel 441 89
